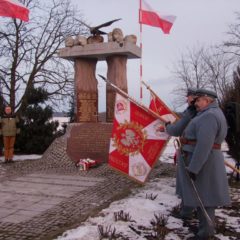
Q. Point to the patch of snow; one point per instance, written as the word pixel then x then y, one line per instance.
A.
pixel 24 157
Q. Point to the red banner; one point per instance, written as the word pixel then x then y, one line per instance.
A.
pixel 159 107
pixel 137 140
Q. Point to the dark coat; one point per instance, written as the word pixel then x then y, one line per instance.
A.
pixel 207 128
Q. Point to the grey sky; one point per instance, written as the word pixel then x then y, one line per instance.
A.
pixel 198 22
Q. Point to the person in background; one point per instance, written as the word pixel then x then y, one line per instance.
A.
pixel 201 147
pixel 176 129
pixel 9 129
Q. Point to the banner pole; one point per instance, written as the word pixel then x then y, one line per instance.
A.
pixel 154 95
pixel 120 91
pixel 231 166
pixel 141 72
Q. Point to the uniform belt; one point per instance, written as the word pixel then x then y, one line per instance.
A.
pixel 186 141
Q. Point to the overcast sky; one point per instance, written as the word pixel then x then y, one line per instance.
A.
pixel 199 22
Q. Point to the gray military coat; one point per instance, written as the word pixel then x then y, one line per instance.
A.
pixel 207 128
pixel 176 129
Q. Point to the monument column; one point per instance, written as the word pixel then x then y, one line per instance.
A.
pixel 91 139
pixel 86 94
pixel 117 74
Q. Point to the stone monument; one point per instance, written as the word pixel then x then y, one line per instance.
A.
pixel 86 52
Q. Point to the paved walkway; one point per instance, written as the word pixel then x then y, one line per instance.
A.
pixel 23 198
pixel 40 199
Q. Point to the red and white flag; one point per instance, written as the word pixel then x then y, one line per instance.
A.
pixel 159 107
pixel 137 140
pixel 14 9
pixel 150 17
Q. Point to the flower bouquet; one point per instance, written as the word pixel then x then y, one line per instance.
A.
pixel 85 163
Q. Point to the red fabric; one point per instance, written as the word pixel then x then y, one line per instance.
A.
pixel 152 18
pixel 152 149
pixel 119 161
pixel 14 9
pixel 137 140
pixel 159 107
pixel 137 114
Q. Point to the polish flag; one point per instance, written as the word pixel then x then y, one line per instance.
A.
pixel 150 17
pixel 14 9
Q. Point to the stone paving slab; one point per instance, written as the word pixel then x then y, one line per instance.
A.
pixel 66 177
pixel 25 197
pixel 56 181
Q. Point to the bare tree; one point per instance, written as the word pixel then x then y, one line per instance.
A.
pixel 219 70
pixel 191 71
pixel 28 51
pixel 203 68
pixel 232 45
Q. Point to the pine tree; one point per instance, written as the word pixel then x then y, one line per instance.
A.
pixel 37 131
pixel 232 112
pixel 71 114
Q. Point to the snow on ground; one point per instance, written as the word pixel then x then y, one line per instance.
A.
pixel 141 210
pixel 24 157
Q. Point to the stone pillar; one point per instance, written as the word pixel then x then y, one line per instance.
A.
pixel 86 93
pixel 117 74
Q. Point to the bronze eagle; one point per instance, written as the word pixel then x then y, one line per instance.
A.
pixel 95 30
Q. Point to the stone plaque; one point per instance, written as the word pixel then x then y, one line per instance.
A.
pixel 86 95
pixel 110 105
pixel 87 107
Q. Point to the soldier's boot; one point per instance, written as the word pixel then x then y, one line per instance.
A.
pixel 186 212
pixel 205 231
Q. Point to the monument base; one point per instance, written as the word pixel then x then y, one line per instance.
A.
pixel 89 140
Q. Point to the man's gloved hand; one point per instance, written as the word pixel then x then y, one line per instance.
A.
pixel 191 107
pixel 192 175
pixel 193 101
pixel 192 110
pixel 167 123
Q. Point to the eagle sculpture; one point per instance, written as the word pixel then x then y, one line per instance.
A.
pixel 95 30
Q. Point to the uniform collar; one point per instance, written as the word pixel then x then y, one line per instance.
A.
pixel 211 105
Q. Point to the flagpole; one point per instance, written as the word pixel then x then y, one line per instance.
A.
pixel 156 96
pixel 120 91
pixel 140 21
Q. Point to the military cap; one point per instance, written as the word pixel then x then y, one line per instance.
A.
pixel 191 91
pixel 205 92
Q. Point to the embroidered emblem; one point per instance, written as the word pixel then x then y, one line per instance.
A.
pixel 139 169
pixel 121 106
pixel 129 138
pixel 159 129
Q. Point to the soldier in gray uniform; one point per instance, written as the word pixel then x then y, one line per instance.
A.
pixel 201 147
pixel 176 129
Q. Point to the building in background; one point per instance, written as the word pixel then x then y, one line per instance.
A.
pixel 62 118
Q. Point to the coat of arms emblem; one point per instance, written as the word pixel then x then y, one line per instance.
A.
pixel 129 138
